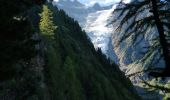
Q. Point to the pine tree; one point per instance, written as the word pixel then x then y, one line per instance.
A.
pixel 46 24
pixel 139 16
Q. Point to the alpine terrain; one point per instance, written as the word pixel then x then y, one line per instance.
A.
pixel 97 21
pixel 46 55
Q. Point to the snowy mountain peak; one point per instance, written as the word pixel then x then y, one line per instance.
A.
pixel 68 3
pixel 97 6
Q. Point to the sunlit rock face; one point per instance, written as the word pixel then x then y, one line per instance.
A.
pixel 94 20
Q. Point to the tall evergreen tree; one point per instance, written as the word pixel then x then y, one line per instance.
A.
pixel 139 16
pixel 162 39
pixel 46 24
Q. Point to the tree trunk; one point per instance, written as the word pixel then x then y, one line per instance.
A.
pixel 162 37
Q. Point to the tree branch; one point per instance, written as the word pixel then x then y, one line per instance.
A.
pixel 147 70
pixel 167 90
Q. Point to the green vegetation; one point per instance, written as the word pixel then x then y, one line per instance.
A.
pixel 46 23
pixel 75 71
pixel 18 78
pixel 53 58
pixel 16 36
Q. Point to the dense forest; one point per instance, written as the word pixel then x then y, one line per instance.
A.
pixel 45 55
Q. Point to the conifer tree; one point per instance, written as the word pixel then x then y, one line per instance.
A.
pixel 46 24
pixel 140 18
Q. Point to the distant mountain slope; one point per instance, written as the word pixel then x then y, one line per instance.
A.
pixel 77 72
pixel 94 21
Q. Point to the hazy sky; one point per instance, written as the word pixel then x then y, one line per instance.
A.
pixel 91 2
pixel 102 2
